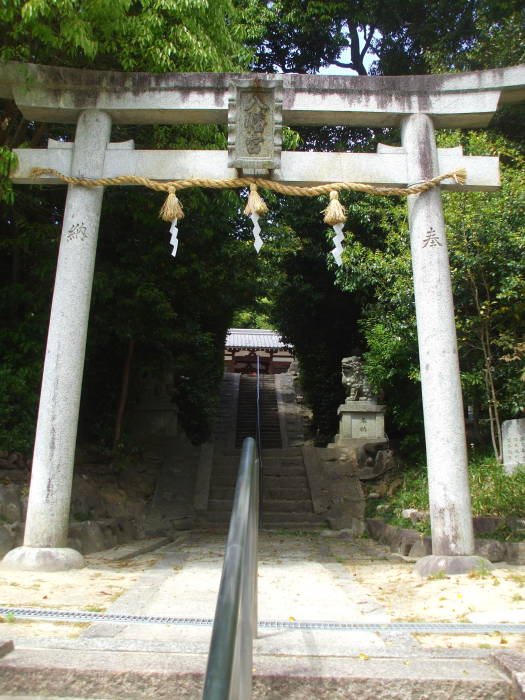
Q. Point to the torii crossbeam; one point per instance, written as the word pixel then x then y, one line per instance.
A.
pixel 94 100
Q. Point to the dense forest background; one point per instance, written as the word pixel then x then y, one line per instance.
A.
pixel 169 318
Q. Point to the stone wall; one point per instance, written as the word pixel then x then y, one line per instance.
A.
pixel 86 536
pixel 335 487
pixel 103 513
pixel 412 543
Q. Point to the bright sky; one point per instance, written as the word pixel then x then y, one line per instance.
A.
pixel 345 58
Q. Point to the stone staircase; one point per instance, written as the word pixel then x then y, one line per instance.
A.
pixel 287 503
pixel 286 497
pixel 247 412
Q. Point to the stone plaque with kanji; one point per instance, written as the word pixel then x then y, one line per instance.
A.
pixel 255 126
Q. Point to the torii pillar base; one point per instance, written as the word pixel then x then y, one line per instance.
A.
pixel 42 559
pixel 436 563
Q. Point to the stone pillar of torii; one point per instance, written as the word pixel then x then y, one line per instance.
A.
pixel 94 100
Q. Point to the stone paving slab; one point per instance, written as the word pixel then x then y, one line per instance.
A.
pixel 134 549
pixel 296 582
pixel 120 675
pixel 163 647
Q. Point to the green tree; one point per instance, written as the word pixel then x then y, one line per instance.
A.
pixel 417 37
pixel 147 307
pixel 486 239
pixel 410 37
pixel 310 311
pixel 149 35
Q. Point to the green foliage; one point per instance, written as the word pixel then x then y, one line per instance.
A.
pixel 438 576
pixel 149 35
pixel 490 299
pixel 504 533
pixel 174 312
pixel 376 262
pixel 486 246
pixel 8 161
pixel 27 261
pixel 177 311
pixel 415 36
pixel 256 316
pixel 493 492
pixel 481 572
pixel 498 40
pixel 316 317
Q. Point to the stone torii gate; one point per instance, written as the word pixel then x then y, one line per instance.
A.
pixel 94 100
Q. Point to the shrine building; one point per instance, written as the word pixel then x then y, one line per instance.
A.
pixel 244 345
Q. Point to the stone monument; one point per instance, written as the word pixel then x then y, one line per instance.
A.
pixel 513 444
pixel 361 418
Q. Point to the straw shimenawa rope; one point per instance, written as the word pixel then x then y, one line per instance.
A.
pixel 335 212
pixel 174 185
pixel 172 208
pixel 255 204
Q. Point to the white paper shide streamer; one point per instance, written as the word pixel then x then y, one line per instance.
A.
pixel 172 211
pixel 335 216
pixel 174 241
pixel 257 240
pixel 338 240
pixel 255 208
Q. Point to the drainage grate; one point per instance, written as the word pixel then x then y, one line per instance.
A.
pixel 420 627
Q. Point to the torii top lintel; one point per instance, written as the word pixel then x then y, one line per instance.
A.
pixel 54 94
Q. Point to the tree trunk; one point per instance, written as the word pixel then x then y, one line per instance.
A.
pixel 124 387
pixel 488 373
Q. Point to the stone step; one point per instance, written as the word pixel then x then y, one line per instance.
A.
pixel 288 462
pixel 229 475
pixel 270 505
pixel 288 453
pixel 121 675
pixel 286 494
pixel 231 463
pixel 288 506
pixel 278 518
pixel 296 482
pixel 247 412
pixel 270 453
pixel 297 485
pixel 265 411
pixel 283 469
pixel 270 494
pixel 271 524
pixel 222 481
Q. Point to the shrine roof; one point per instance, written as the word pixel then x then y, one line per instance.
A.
pixel 254 339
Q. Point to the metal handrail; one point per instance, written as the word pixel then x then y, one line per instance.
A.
pixel 258 440
pixel 258 421
pixel 229 668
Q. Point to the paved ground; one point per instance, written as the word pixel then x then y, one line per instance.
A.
pixel 303 578
pixel 297 581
